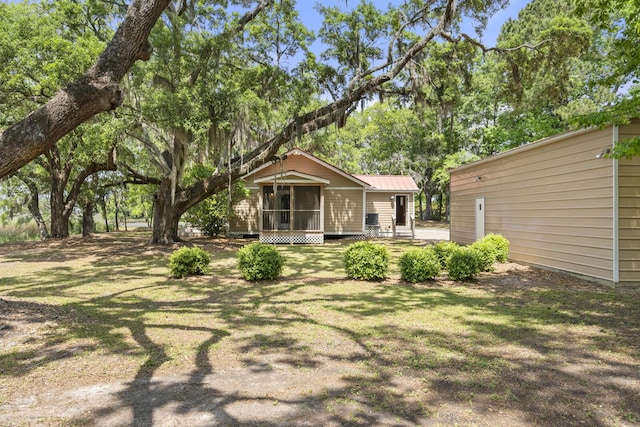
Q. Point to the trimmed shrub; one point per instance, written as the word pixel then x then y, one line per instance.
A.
pixel 487 252
pixel 464 263
pixel 189 261
pixel 419 265
pixel 443 251
pixel 260 261
pixel 500 244
pixel 366 261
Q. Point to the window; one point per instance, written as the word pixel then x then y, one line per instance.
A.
pixel 372 219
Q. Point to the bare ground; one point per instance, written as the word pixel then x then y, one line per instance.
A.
pixel 579 366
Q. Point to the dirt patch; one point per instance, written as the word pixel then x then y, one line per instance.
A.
pixel 517 346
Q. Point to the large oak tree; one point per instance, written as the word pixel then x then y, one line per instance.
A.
pixel 403 33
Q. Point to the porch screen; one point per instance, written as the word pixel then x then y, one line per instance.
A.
pixel 276 208
pixel 306 208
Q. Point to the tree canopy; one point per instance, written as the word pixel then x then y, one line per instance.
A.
pixel 224 85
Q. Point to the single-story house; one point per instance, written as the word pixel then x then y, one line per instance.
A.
pixel 299 198
pixel 560 202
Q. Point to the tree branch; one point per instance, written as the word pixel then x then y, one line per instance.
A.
pixel 155 154
pixel 448 37
pixel 309 122
pixel 92 168
pixel 96 91
pixel 242 22
pixel 138 178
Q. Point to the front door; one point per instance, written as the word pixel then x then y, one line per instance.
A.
pixel 401 210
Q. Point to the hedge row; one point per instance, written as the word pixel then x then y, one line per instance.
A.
pixel 362 260
pixel 367 261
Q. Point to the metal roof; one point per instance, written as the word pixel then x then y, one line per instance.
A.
pixel 389 182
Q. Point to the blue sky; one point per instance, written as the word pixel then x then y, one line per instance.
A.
pixel 313 20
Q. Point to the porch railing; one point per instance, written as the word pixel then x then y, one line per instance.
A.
pixel 413 226
pixel 281 220
pixel 306 220
pixel 393 225
pixel 276 220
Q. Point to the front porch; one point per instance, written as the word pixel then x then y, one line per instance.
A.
pixel 292 209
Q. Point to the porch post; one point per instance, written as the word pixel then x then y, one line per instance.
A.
pixel 260 208
pixel 322 209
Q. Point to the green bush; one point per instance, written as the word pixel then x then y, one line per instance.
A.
pixel 443 251
pixel 188 261
pixel 464 263
pixel 419 265
pixel 260 261
pixel 366 261
pixel 487 252
pixel 500 244
pixel 211 214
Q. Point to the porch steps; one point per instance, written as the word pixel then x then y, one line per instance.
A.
pixel 403 233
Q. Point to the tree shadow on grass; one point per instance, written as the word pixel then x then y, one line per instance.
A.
pixel 325 351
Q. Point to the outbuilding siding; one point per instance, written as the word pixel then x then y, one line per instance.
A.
pixel 552 200
pixel 629 210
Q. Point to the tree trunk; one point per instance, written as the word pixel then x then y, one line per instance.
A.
pixel 59 214
pixel 63 202
pixel 428 206
pixel 37 217
pixel 88 225
pixel 165 216
pixel 447 211
pixel 117 213
pixel 103 208
pixel 420 204
pixel 34 206
pixel 59 226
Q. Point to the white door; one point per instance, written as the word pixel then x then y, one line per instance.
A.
pixel 480 207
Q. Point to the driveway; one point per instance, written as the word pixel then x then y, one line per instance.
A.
pixel 432 233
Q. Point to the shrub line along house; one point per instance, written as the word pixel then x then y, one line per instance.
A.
pixel 299 198
pixel 560 202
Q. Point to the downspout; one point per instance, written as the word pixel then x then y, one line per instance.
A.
pixel 616 203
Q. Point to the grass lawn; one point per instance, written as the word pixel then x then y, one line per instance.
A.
pixel 95 332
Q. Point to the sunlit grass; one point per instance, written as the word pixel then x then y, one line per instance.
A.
pixel 454 342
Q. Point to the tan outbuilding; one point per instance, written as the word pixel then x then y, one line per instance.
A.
pixel 560 202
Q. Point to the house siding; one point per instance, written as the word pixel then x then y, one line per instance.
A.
pixel 552 201
pixel 246 215
pixel 303 164
pixel 382 204
pixel 343 211
pixel 629 210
